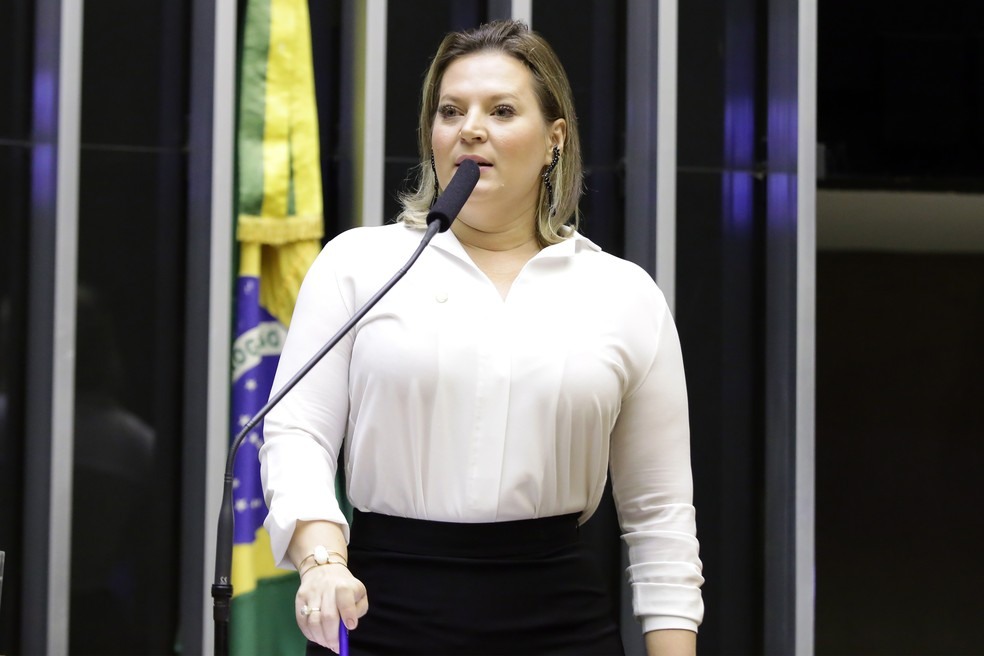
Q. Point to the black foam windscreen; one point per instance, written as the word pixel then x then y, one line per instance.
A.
pixel 454 197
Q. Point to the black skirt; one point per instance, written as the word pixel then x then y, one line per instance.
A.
pixel 520 587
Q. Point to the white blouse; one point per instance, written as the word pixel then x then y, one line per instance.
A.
pixel 453 404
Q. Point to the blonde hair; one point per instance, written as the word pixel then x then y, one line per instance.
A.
pixel 553 91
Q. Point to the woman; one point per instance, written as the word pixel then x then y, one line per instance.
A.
pixel 481 403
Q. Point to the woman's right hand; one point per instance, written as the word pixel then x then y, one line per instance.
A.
pixel 336 594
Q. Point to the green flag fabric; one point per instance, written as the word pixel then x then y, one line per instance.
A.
pixel 278 230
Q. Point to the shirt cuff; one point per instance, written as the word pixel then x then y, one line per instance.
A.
pixel 282 530
pixel 659 623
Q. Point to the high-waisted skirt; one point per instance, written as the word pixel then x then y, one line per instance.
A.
pixel 519 587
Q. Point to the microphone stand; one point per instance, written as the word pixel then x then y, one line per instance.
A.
pixel 439 219
pixel 222 586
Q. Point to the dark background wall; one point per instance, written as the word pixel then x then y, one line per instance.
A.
pixel 131 200
pixel 900 354
pixel 900 421
pixel 901 93
pixel 16 42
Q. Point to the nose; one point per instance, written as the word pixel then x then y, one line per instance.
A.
pixel 473 127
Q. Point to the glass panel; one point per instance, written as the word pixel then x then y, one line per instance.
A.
pixel 124 585
pixel 14 171
pixel 16 46
pixel 900 95
pixel 719 303
pixel 589 38
pixel 326 51
pixel 14 220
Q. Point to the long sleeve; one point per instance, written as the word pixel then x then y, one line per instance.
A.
pixel 303 435
pixel 653 488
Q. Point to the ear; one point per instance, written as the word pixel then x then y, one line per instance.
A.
pixel 556 136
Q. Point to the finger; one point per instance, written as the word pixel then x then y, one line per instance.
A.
pixel 309 621
pixel 301 615
pixel 327 621
pixel 352 604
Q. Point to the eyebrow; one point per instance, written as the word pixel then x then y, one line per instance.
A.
pixel 498 97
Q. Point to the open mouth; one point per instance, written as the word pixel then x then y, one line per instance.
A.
pixel 481 163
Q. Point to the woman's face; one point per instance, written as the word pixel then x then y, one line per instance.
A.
pixel 487 111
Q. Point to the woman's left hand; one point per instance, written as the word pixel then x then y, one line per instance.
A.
pixel 329 594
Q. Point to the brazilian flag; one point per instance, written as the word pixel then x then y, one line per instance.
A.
pixel 278 229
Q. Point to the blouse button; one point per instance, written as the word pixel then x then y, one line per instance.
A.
pixel 441 297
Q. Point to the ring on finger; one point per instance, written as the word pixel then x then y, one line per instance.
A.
pixel 307 610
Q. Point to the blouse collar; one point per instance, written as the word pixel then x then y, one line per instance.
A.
pixel 575 243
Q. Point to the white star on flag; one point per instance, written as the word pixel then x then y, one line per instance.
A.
pixel 243 420
pixel 250 385
pixel 242 505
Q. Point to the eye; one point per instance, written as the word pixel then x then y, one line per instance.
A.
pixel 447 111
pixel 503 111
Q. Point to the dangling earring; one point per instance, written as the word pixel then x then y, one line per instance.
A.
pixel 546 180
pixel 437 188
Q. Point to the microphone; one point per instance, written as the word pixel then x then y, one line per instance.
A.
pixel 448 204
pixel 439 219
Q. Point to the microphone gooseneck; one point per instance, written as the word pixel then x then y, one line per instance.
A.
pixel 449 204
pixel 439 219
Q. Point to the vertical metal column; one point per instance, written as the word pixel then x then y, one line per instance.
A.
pixel 806 275
pixel 51 326
pixel 739 467
pixel 2 557
pixel 209 299
pixel 521 10
pixel 745 299
pixel 369 116
pixel 650 137
pixel 650 175
pixel 789 329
